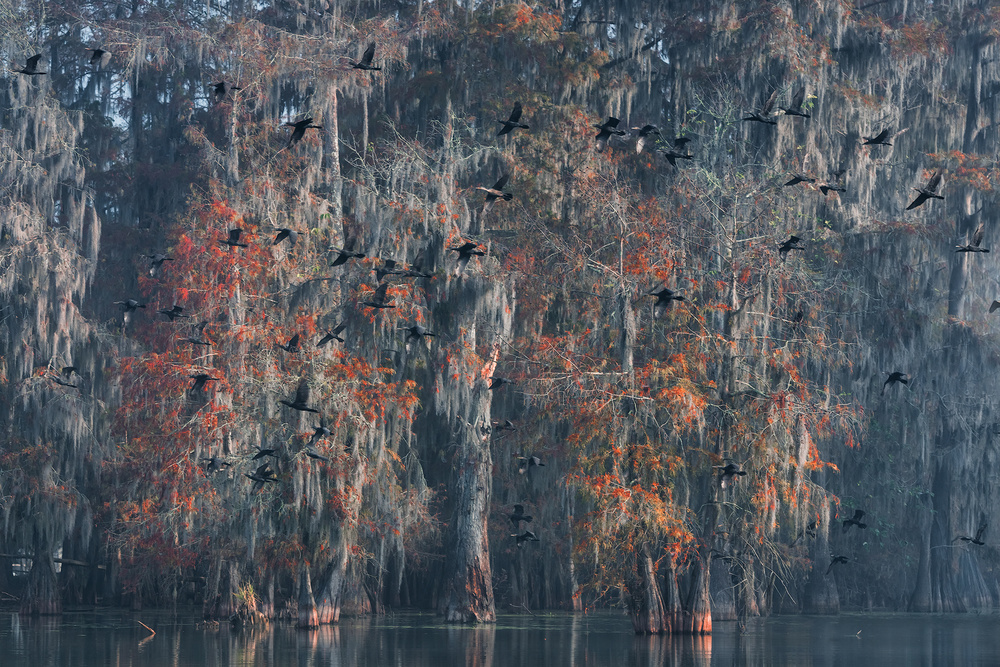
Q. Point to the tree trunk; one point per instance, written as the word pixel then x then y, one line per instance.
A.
pixel 329 603
pixel 698 620
pixel 646 607
pixel 41 597
pixel 308 618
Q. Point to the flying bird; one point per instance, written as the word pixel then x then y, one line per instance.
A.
pixel 672 156
pixel 977 239
pixel 291 346
pixel 608 128
pixel 526 536
pixel 978 539
pixel 214 464
pixel 301 400
pixel 173 313
pixel 855 520
pixel 505 425
pixel 799 178
pixel 343 255
pixel 300 130
pixel 837 560
pixel 388 268
pixel 893 378
pixel 518 516
pixel 332 335
pixel 416 334
pixel 927 192
pixel 261 453
pixel 498 382
pixel 664 300
pixel 728 474
pixel 200 380
pixel 494 193
pixel 880 139
pixel 791 244
pixel 200 338
pixel 128 306
pixel 379 299
pixel 526 463
pixel 366 60
pixel 641 135
pixel 31 66
pixel 319 432
pixel 233 240
pixel 99 57
pixel 465 253
pixel 285 233
pixel 827 188
pixel 513 122
pixel 65 377
pixel 222 89
pixel 156 261
pixel 795 108
pixel 994 306
pixel 764 114
pixel 261 476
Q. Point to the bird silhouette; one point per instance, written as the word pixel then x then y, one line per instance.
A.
pixel 795 107
pixel 366 60
pixel 156 261
pixel 893 378
pixel 388 268
pixel 128 307
pixel 301 400
pixel 880 139
pixel 200 380
pixel 608 128
pixel 799 178
pixel 261 476
pixel 664 300
pixel 300 130
pixel 416 334
pixel 214 464
pixel 518 516
pixel 837 560
pixel 855 520
pixel 221 89
pixel 978 539
pixel 505 425
pixel 827 188
pixel 379 300
pixel 285 233
pixel 764 114
pixel 672 155
pixel 233 240
pixel 200 338
pixel 332 335
pixel 343 255
pixel 173 313
pixel 927 192
pixel 526 536
pixel 513 122
pixel 498 382
pixel 465 253
pixel 319 432
pixel 791 244
pixel 99 57
pixel 977 239
pixel 527 462
pixel 642 135
pixel 728 474
pixel 494 193
pixel 994 306
pixel 261 453
pixel 65 377
pixel 291 346
pixel 31 66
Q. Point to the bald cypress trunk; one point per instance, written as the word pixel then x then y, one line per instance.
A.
pixel 646 607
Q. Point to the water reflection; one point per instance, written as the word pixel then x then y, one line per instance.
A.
pixel 116 638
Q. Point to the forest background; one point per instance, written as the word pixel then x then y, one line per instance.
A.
pixel 775 362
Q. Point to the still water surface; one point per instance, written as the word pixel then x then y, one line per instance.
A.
pixel 416 640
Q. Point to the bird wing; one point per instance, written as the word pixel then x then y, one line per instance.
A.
pixel 515 115
pixel 921 198
pixel 502 182
pixel 293 341
pixel 977 236
pixel 234 235
pixel 880 137
pixel 858 515
pixel 381 292
pixel 369 53
pixel 337 329
pixel 32 62
pixel 302 393
pixel 769 104
pixel 935 179
pixel 994 306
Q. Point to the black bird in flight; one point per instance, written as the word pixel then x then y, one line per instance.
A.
pixel 642 134
pixel 837 560
pixel 200 338
pixel 880 139
pixel 728 474
pixel 214 464
pixel 795 108
pixel 319 432
pixel 513 122
pixel 128 307
pixel 332 335
pixel 366 60
pixel 791 244
pixel 314 453
pixel 99 57
pixel 285 233
pixel 525 463
pixel 526 536
pixel 827 188
pixel 518 516
pixel 233 240
pixel 222 89
pixel 465 253
pixel 173 313
pixel 977 239
pixel 928 192
pixel 608 128
pixel 496 192
pixel 672 156
pixel 994 306
pixel 261 476
pixel 416 334
pixel 799 178
pixel 65 377
pixel 301 400
pixel 855 520
pixel 388 268
pixel 300 130
pixel 31 66
pixel 261 453
pixel 978 539
pixel 379 299
pixel 664 300
pixel 498 382
pixel 200 380
pixel 764 114
pixel 893 378
pixel 291 346
pixel 505 425
pixel 344 255
pixel 156 261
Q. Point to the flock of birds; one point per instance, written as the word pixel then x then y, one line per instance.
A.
pixel 639 137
